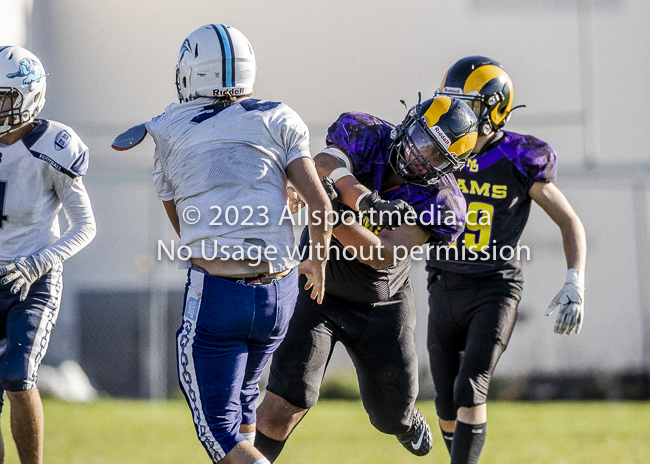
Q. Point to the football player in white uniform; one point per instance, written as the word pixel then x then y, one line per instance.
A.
pixel 221 165
pixel 41 166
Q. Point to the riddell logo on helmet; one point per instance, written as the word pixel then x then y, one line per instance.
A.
pixel 454 90
pixel 441 136
pixel 221 93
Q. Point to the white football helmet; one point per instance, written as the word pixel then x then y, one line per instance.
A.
pixel 213 60
pixel 22 82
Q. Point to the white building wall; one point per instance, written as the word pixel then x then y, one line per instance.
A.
pixel 111 65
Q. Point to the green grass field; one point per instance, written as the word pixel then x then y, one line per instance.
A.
pixel 338 432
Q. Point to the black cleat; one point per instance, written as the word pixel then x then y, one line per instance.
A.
pixel 417 439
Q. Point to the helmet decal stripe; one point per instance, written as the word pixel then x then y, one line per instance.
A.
pixel 438 107
pixel 464 144
pixel 228 53
pixel 477 79
pixel 184 48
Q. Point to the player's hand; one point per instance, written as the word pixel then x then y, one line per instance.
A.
pixel 314 270
pixel 387 214
pixel 24 271
pixel 295 202
pixel 571 301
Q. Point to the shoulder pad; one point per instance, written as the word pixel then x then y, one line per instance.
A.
pixel 534 158
pixel 130 138
pixel 59 146
pixel 251 104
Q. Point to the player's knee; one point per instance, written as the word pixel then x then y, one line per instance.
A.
pixel 470 389
pixel 391 420
pixel 388 425
pixel 220 438
pixel 445 408
pixel 276 417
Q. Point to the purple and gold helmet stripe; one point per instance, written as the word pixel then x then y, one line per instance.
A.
pixel 461 146
pixel 438 107
pixel 491 76
pixel 464 145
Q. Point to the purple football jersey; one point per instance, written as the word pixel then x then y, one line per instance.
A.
pixel 496 185
pixel 440 209
pixel 366 139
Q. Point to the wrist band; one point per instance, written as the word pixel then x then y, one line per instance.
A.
pixel 337 173
pixel 361 197
pixel 335 152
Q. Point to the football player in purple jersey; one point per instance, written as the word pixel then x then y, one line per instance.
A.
pixel 476 284
pixel 369 305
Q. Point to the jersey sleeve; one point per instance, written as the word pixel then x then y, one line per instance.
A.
pixel 284 125
pixel 81 221
pixel 60 147
pixel 536 160
pixel 162 187
pixel 443 214
pixel 295 137
pixel 360 136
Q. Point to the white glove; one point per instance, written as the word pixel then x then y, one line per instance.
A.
pixel 24 271
pixel 571 300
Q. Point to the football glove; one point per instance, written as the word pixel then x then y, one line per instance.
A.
pixel 387 214
pixel 332 193
pixel 571 301
pixel 24 271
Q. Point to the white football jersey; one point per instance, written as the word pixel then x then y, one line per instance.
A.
pixel 225 170
pixel 35 173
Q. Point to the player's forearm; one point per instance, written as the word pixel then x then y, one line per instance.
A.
pixel 303 175
pixel 574 241
pixel 369 248
pixel 82 227
pixel 555 204
pixel 320 232
pixel 349 188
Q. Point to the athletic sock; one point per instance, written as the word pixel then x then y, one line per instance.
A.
pixel 250 437
pixel 447 438
pixel 262 461
pixel 268 446
pixel 468 442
